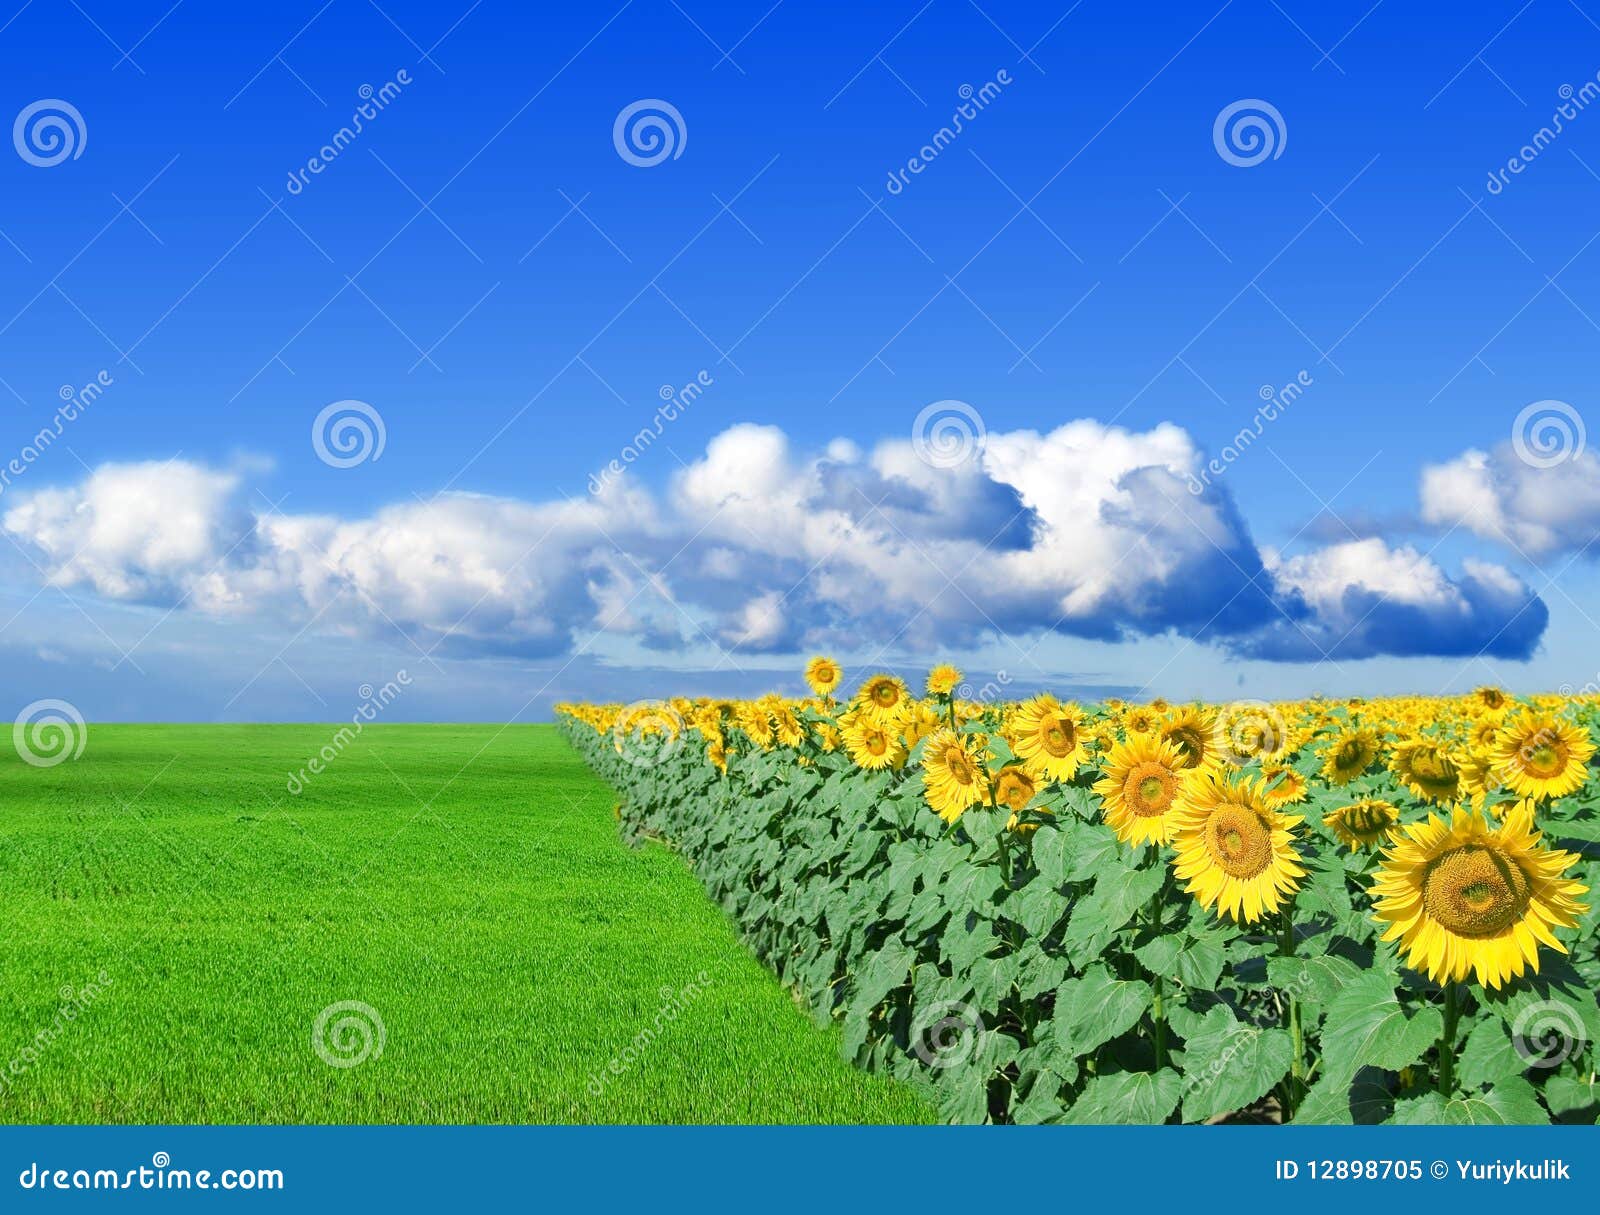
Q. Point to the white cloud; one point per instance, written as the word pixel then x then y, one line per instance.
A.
pixel 1537 511
pixel 1088 529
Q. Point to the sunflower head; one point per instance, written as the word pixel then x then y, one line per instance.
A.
pixel 1049 737
pixel 883 698
pixel 943 679
pixel 1490 697
pixel 1190 730
pixel 823 675
pixel 1425 766
pixel 1139 785
pixel 953 774
pixel 1140 720
pixel 1539 755
pixel 1363 824
pixel 1234 853
pixel 1464 898
pixel 872 745
pixel 1350 754
pixel 1284 786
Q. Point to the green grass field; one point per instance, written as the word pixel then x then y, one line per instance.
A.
pixel 465 882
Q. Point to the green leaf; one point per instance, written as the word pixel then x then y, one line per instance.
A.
pixel 1365 1026
pixel 1117 895
pixel 1315 980
pixel 1127 1098
pixel 1096 1008
pixel 1510 1103
pixel 1228 1064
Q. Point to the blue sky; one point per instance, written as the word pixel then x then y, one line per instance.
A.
pixel 509 294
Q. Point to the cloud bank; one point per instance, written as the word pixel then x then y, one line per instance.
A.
pixel 1087 530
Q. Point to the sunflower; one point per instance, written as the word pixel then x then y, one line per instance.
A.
pixel 1464 898
pixel 1140 720
pixel 1284 786
pixel 1425 767
pixel 943 679
pixel 883 698
pixel 717 754
pixel 1490 698
pixel 1485 732
pixel 872 746
pixel 953 776
pixel 1235 853
pixel 754 720
pixel 1138 788
pixel 1014 789
pixel 823 675
pixel 1190 730
pixel 1541 756
pixel 1249 731
pixel 1349 755
pixel 1048 737
pixel 1363 824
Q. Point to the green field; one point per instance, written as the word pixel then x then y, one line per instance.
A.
pixel 465 882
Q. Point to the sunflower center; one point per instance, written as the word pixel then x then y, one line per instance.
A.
pixel 1057 737
pixel 877 743
pixel 1546 759
pixel 1349 754
pixel 1238 840
pixel 1475 891
pixel 1149 789
pixel 885 695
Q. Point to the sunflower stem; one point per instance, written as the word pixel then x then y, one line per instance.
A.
pixel 1297 1036
pixel 1158 1007
pixel 1447 1040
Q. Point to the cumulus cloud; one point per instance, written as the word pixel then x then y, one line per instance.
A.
pixel 1496 495
pixel 1363 598
pixel 758 546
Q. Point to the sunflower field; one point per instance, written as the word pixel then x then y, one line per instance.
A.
pixel 1360 911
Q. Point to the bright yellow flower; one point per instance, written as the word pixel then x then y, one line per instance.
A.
pixel 1542 756
pixel 1363 824
pixel 1048 737
pixel 823 675
pixel 953 775
pixel 1234 853
pixel 943 680
pixel 1350 754
pixel 1139 788
pixel 1464 898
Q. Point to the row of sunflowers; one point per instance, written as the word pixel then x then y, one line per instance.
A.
pixel 1362 910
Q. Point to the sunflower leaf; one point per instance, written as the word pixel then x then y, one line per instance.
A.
pixel 1228 1064
pixel 1366 1026
pixel 1096 1008
pixel 1127 1098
